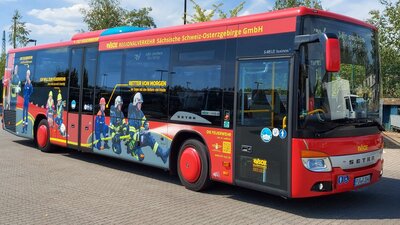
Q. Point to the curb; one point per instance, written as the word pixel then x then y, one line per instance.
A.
pixel 393 141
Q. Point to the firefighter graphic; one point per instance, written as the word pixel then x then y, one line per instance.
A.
pixel 50 109
pixel 101 127
pixel 59 118
pixel 117 124
pixel 15 88
pixel 139 132
pixel 28 89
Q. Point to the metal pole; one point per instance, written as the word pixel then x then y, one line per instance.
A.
pixel 3 48
pixel 15 32
pixel 184 12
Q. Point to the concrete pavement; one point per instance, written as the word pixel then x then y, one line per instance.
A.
pixel 68 187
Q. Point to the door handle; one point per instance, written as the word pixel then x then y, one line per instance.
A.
pixel 72 125
pixel 86 128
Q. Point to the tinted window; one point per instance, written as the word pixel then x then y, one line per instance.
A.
pixel 75 79
pixel 90 67
pixel 146 71
pixel 25 61
pixel 52 63
pixel 108 80
pixel 51 74
pixel 195 88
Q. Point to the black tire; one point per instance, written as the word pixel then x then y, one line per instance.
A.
pixel 203 182
pixel 47 146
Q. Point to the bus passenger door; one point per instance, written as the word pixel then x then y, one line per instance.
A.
pixel 81 98
pixel 261 142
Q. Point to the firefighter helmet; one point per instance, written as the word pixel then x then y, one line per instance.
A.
pixel 138 98
pixel 102 101
pixel 118 101
pixel 51 94
pixel 59 97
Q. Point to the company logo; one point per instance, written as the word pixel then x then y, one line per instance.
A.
pixel 259 162
pixel 362 148
pixel 266 135
pixel 112 45
pixel 362 160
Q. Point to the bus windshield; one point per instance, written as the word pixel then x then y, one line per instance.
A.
pixel 349 97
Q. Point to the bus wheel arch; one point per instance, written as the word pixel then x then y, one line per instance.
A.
pixel 194 170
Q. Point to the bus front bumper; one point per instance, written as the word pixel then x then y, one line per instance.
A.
pixel 306 183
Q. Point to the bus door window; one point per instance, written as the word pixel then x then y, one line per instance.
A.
pixel 263 91
pixel 88 83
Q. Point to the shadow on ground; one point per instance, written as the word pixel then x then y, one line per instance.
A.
pixel 380 201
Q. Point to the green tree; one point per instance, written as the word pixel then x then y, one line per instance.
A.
pixel 203 15
pixel 140 18
pixel 388 24
pixel 283 4
pixel 104 14
pixel 19 34
pixel 2 65
pixel 232 13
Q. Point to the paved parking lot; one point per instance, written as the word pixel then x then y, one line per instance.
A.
pixel 69 187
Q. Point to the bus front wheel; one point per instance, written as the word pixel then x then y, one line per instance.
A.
pixel 193 165
pixel 43 136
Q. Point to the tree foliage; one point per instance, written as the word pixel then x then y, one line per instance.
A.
pixel 21 37
pixel 139 18
pixel 2 65
pixel 232 12
pixel 388 24
pixel 283 4
pixel 203 15
pixel 104 14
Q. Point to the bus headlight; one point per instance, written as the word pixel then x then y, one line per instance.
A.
pixel 317 164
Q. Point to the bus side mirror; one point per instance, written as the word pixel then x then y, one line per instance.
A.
pixel 330 48
pixel 332 55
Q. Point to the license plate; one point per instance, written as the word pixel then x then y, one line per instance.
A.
pixel 362 180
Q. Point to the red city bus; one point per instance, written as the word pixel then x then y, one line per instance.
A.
pixel 284 102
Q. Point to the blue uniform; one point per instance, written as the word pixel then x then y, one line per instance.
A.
pixel 140 135
pixel 101 128
pixel 28 89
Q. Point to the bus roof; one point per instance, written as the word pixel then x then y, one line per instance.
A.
pixel 95 36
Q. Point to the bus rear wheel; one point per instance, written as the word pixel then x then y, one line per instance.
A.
pixel 43 136
pixel 193 165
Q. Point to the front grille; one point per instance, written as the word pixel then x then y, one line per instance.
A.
pixel 10 120
pixel 356 161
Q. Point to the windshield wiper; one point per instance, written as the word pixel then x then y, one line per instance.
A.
pixel 369 123
pixel 356 123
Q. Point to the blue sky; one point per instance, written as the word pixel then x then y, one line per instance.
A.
pixel 54 21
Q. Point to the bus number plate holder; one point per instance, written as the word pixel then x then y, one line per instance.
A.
pixel 358 181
